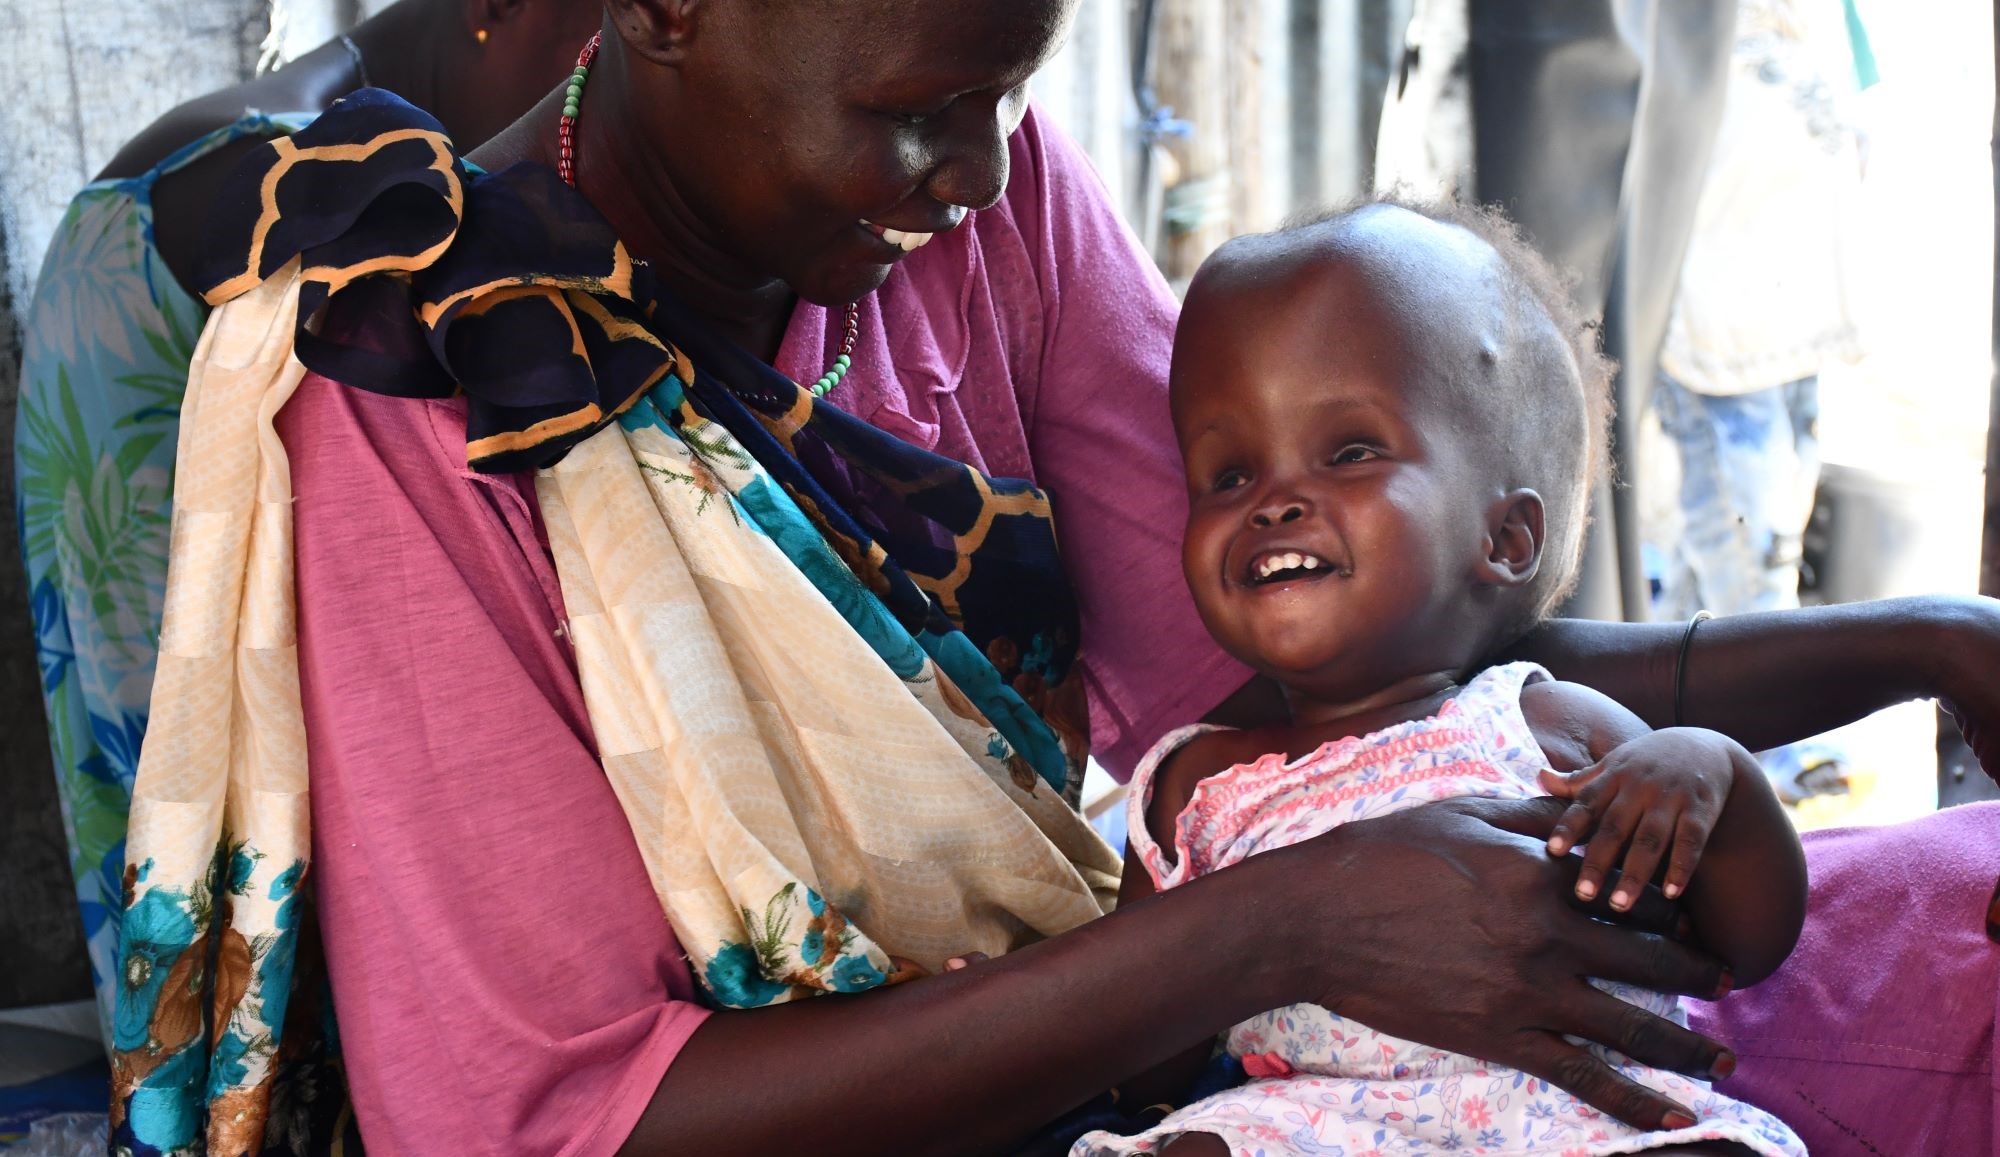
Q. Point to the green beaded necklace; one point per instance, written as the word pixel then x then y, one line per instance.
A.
pixel 566 169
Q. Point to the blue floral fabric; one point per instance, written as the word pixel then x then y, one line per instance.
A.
pixel 106 344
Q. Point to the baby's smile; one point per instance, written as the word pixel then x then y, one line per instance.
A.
pixel 1282 566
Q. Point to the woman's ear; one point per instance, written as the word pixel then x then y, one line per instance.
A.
pixel 658 30
pixel 1514 539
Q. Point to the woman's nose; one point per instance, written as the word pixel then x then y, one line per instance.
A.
pixel 973 172
pixel 1272 512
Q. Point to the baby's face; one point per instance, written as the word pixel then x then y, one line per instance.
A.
pixel 1334 518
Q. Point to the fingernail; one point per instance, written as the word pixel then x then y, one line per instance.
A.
pixel 1726 985
pixel 1677 1119
pixel 954 964
pixel 1585 889
pixel 1672 891
pixel 1621 899
pixel 1555 845
pixel 1724 1065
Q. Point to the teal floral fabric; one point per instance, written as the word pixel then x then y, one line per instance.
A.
pixel 106 346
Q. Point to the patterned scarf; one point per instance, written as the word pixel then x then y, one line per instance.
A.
pixel 857 631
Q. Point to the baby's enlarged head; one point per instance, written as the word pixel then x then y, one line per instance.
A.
pixel 1391 417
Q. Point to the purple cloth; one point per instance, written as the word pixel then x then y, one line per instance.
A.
pixel 1876 1037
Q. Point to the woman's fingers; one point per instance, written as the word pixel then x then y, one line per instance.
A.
pixel 1596 1083
pixel 1647 960
pixel 1598 1016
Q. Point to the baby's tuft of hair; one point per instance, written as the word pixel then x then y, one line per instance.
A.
pixel 1554 412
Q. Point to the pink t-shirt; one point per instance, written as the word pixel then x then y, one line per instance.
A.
pixel 504 979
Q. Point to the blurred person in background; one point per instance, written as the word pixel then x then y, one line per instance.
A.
pixel 1763 306
pixel 107 340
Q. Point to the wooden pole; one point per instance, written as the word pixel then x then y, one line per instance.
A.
pixel 1244 64
pixel 1959 778
pixel 1190 77
pixel 1989 553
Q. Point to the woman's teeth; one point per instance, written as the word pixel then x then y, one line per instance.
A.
pixel 1293 560
pixel 907 242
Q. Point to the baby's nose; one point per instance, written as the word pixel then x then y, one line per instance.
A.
pixel 1274 513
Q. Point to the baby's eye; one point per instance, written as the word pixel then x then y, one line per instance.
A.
pixel 1227 480
pixel 1352 454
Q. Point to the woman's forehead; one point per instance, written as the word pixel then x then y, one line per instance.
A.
pixel 960 45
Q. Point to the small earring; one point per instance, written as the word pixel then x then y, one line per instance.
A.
pixel 480 36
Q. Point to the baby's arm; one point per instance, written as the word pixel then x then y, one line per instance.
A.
pixel 1692 805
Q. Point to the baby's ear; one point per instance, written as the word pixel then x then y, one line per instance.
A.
pixel 1513 540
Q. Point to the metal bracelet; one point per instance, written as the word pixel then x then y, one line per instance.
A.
pixel 1681 666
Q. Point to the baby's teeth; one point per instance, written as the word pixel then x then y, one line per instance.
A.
pixel 1310 563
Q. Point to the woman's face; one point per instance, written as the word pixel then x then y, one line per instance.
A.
pixel 797 132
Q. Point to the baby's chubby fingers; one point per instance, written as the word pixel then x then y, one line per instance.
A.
pixel 1651 838
pixel 1578 820
pixel 1617 820
pixel 1691 832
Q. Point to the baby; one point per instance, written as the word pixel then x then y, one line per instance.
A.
pixel 1391 420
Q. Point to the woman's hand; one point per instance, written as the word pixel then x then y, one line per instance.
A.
pixel 1967 682
pixel 1656 796
pixel 1454 931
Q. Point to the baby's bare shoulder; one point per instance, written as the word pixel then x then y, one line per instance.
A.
pixel 1208 754
pixel 1576 725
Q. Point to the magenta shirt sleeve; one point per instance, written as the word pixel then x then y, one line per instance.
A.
pixel 504 979
pixel 1104 448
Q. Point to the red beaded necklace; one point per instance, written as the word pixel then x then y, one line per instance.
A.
pixel 566 169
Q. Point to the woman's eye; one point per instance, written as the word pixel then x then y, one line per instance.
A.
pixel 914 118
pixel 1352 454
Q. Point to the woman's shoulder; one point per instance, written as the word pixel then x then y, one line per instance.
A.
pixel 186 156
pixel 307 85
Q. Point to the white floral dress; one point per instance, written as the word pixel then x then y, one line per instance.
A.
pixel 1325 1085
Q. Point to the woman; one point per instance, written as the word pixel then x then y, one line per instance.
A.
pixel 107 343
pixel 504 980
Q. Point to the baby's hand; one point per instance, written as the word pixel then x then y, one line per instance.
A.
pixel 1657 795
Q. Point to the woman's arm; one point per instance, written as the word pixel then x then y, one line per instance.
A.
pixel 1172 787
pixel 974 1060
pixel 1774 677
